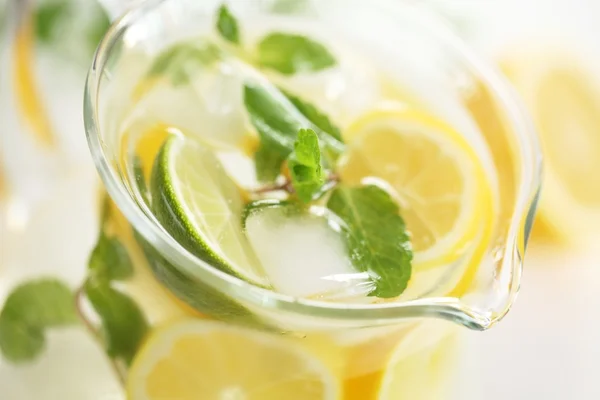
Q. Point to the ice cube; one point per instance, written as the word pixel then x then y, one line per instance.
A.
pixel 209 107
pixel 343 92
pixel 240 168
pixel 304 255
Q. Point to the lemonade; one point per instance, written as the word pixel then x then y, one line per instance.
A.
pixel 289 201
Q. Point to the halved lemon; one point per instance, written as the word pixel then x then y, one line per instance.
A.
pixel 438 179
pixel 564 100
pixel 210 360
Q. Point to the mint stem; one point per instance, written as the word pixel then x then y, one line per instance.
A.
pixel 89 326
pixel 287 186
pixel 81 314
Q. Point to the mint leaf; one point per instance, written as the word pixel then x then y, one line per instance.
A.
pixel 49 18
pixel 181 61
pixel 227 25
pixel 109 260
pixel 278 122
pixel 290 54
pixel 268 160
pixel 276 126
pixel 44 302
pixel 19 342
pixel 315 116
pixel 30 309
pixel 376 237
pixel 288 6
pixel 123 323
pixel 271 114
pixel 305 165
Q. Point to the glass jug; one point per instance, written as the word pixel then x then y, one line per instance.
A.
pixel 175 326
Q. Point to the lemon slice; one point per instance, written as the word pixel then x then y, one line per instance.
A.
pixel 564 101
pixel 210 360
pixel 437 178
pixel 197 203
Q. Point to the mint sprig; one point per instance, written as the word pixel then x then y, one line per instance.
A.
pixel 31 309
pixel 290 54
pixel 375 234
pixel 376 239
pixel 276 127
pixel 278 122
pixel 305 166
pixel 286 53
pixel 227 25
pixel 123 324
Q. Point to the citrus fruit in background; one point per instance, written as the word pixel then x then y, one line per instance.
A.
pixel 564 101
pixel 26 89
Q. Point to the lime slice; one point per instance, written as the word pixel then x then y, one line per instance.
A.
pixel 201 207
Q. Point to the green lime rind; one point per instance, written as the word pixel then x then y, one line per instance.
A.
pixel 176 217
